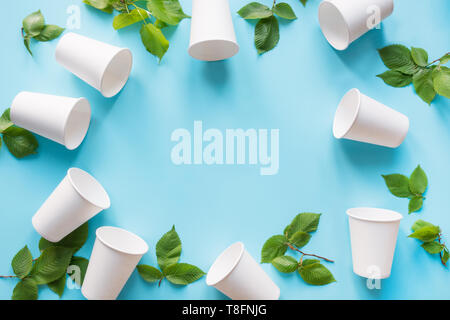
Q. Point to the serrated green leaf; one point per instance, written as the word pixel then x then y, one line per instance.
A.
pixel 420 56
pixel 5 121
pixel 75 240
pixel 50 32
pixel 149 273
pixel 426 234
pixel 267 34
pixel 441 81
pixel 82 264
pixel 127 19
pixel 183 273
pixel 26 289
pixel 415 204
pixel 445 256
pixel 255 10
pixel 168 11
pixel 33 23
pixel 20 142
pixel 420 224
pixel 423 84
pixel 58 285
pixel 103 5
pixel 168 249
pixel 395 78
pixel 284 10
pixel 432 247
pixel 154 40
pixel 51 265
pixel 315 273
pixel 285 264
pixel 26 42
pixel 396 56
pixel 22 263
pixel 306 222
pixel 398 185
pixel 418 181
pixel 300 239
pixel 274 247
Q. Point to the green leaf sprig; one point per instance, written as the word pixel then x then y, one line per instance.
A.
pixel 34 27
pixel 412 188
pixel 20 142
pixel 431 238
pixel 295 236
pixel 406 66
pixel 267 30
pixel 51 267
pixel 168 251
pixel 155 15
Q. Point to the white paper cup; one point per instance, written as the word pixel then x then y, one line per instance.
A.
pixel 344 21
pixel 103 66
pixel 236 274
pixel 212 32
pixel 364 119
pixel 115 255
pixel 61 119
pixel 373 235
pixel 78 198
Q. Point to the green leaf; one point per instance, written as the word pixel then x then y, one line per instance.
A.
pixel 183 273
pixel 426 234
pixel 81 263
pixel 285 264
pixel 103 5
pixel 304 2
pixel 121 5
pixel 274 247
pixel 420 56
pixel 22 263
pixel 398 185
pixel 26 42
pixel 423 84
pixel 445 256
pixel 168 249
pixel 315 273
pixel 432 247
pixel 50 32
pixel 149 274
pixel 284 10
pixel 420 224
pixel 445 59
pixel 306 222
pixel 58 285
pixel 395 78
pixel 154 40
pixel 267 34
pixel 168 11
pixel 300 239
pixel 396 56
pixel 26 289
pixel 127 19
pixel 75 240
pixel 51 265
pixel 20 142
pixel 415 204
pixel 255 10
pixel 441 81
pixel 418 181
pixel 33 23
pixel 5 121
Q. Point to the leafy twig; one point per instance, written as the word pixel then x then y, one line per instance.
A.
pixel 308 254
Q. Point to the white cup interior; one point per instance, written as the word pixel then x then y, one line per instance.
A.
pixel 89 188
pixel 213 50
pixel 225 263
pixel 117 72
pixel 122 240
pixel 374 214
pixel 333 25
pixel 77 124
pixel 346 113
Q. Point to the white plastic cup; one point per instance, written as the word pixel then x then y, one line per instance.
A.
pixel 212 31
pixel 115 255
pixel 78 198
pixel 61 119
pixel 101 65
pixel 373 235
pixel 236 274
pixel 344 21
pixel 364 119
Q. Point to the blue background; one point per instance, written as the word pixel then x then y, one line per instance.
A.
pixel 294 88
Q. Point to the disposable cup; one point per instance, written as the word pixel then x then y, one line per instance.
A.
pixel 101 65
pixel 236 274
pixel 364 119
pixel 212 32
pixel 61 119
pixel 115 255
pixel 373 235
pixel 77 198
pixel 344 21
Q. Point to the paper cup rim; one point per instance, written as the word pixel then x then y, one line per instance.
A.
pixel 339 134
pixel 234 50
pixel 322 21
pixel 104 203
pixel 123 82
pixel 218 260
pixel 85 127
pixel 385 215
pixel 144 246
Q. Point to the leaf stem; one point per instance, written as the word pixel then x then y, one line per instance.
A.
pixel 437 59
pixel 308 254
pixel 8 277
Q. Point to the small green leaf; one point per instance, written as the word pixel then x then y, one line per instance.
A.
pixel 255 10
pixel 445 256
pixel 300 239
pixel 26 42
pixel 168 11
pixel 183 273
pixel 267 34
pixel 415 204
pixel 395 78
pixel 58 285
pixel 420 56
pixel 5 121
pixel 304 2
pixel 274 247
pixel 75 240
pixel 423 84
pixel 441 81
pixel 82 264
pixel 20 142
pixel 50 32
pixel 168 249
pixel 103 5
pixel 398 185
pixel 26 289
pixel 426 234
pixel 396 56
pixel 127 19
pixel 154 40
pixel 149 274
pixel 420 224
pixel 315 273
pixel 285 264
pixel 51 265
pixel 22 263
pixel 445 59
pixel 33 23
pixel 418 181
pixel 432 247
pixel 306 222
pixel 284 10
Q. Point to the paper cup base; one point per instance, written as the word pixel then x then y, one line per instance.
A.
pixel 213 50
